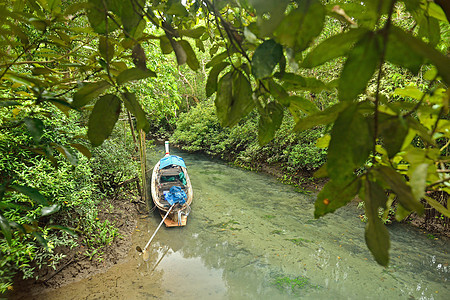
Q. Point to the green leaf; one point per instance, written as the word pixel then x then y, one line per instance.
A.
pixel 302 25
pixel 234 98
pixel 134 74
pixel 191 60
pixel 325 117
pixel 409 91
pixel 211 83
pixel 399 53
pixel 72 158
pixel 265 58
pixel 35 127
pixel 49 210
pixel 438 206
pixel 97 14
pixel 82 149
pixel 131 15
pixel 306 106
pixel 335 195
pixel 377 240
pixel 63 228
pixel 272 9
pixel 377 236
pixel 32 193
pixel 361 63
pixel 269 122
pixel 393 132
pixel 40 239
pixel 438 59
pixel 350 144
pixel 297 82
pixel 6 229
pixel 88 92
pixel 180 53
pixel 135 108
pixel 333 47
pixel 106 48
pixel 217 59
pixel 54 6
pixel 165 45
pixel 6 103
pixel 278 92
pixel 175 7
pixel 399 186
pixel 103 118
pixel 418 179
pixel 194 33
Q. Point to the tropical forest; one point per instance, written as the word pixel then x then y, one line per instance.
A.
pixel 224 149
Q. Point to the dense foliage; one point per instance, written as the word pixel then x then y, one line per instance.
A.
pixel 199 130
pixel 88 56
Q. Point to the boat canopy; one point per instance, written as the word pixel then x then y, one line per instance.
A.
pixel 171 160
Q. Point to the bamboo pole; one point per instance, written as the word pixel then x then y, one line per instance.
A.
pixel 143 158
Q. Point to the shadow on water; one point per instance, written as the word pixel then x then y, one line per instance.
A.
pixel 250 237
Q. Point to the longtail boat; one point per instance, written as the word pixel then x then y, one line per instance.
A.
pixel 171 189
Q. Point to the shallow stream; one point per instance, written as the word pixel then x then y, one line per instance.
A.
pixel 251 237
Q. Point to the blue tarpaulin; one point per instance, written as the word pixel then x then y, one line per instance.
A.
pixel 171 160
pixel 175 195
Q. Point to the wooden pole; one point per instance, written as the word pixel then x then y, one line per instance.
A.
pixel 143 158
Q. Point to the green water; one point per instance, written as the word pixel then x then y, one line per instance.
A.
pixel 250 237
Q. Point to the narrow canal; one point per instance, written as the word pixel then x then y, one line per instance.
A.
pixel 251 237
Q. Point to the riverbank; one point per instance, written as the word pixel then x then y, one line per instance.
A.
pixel 124 212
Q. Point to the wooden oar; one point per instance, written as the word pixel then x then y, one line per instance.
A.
pixel 145 253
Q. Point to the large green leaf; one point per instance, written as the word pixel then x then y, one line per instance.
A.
pixel 399 53
pixel 82 149
pixel 234 98
pixel 135 108
pixel 399 186
pixel 165 45
pixel 350 144
pixel 305 105
pixel 333 47
pixel 297 82
pixel 88 92
pixel 71 157
pixel 265 58
pixel 103 118
pixel 191 59
pixel 6 229
pixel 335 195
pixel 194 33
pixel 441 61
pixel 302 25
pixel 270 14
pixel 211 83
pixel 218 58
pixel 361 63
pixel 97 13
pixel 106 48
pixel 377 236
pixel 393 132
pixel 377 240
pixel 438 206
pixel 49 210
pixel 269 122
pixel 131 16
pixel 32 193
pixel 35 127
pixel 134 74
pixel 325 117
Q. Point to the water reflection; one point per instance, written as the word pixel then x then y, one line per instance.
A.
pixel 249 237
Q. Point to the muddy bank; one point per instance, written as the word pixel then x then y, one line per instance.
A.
pixel 127 209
